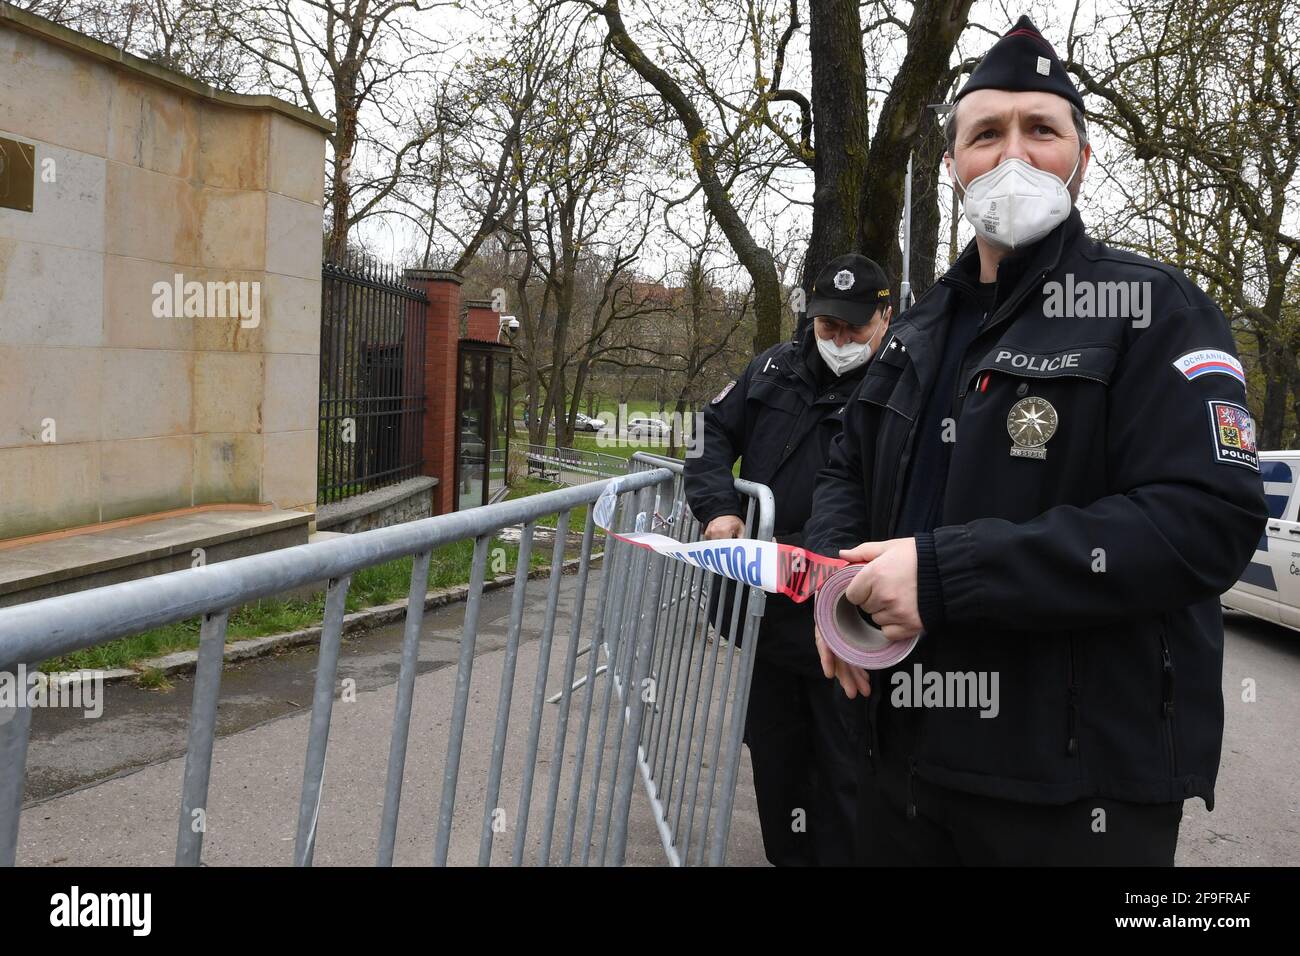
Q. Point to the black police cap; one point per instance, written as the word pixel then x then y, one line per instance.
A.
pixel 1022 61
pixel 850 287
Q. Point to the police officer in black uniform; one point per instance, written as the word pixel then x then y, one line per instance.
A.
pixel 1051 470
pixel 779 418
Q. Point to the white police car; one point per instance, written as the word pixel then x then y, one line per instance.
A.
pixel 1270 585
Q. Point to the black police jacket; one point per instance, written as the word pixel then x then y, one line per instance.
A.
pixel 1087 579
pixel 776 422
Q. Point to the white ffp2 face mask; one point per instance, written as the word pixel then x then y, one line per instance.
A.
pixel 1015 204
pixel 843 358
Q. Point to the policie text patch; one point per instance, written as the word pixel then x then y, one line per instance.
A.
pixel 723 394
pixel 1233 435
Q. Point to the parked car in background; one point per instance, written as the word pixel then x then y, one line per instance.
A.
pixel 643 429
pixel 1270 586
pixel 585 423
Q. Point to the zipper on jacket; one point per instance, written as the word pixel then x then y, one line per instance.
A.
pixel 1072 740
pixel 1167 697
pixel 1009 307
pixel 911 788
pixel 1006 308
pixel 904 459
pixel 954 406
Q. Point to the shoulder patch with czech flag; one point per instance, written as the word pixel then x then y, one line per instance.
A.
pixel 1210 362
pixel 723 394
pixel 1233 431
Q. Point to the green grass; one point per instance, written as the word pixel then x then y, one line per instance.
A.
pixel 524 487
pixel 382 584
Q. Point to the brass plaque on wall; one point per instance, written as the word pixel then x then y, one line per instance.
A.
pixel 17 174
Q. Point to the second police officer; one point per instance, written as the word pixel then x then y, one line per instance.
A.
pixel 779 418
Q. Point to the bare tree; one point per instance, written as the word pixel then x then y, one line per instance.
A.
pixel 1203 99
pixel 857 201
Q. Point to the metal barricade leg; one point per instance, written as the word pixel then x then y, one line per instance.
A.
pixel 506 695
pixel 464 669
pixel 612 564
pixel 570 664
pixel 639 667
pixel 322 706
pixel 15 730
pixel 631 571
pixel 539 687
pixel 203 729
pixel 402 714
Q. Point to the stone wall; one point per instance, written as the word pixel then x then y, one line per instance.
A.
pixel 111 404
pixel 409 500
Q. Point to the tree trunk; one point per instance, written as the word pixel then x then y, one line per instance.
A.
pixel 756 260
pixel 839 104
pixel 1272 362
pixel 931 37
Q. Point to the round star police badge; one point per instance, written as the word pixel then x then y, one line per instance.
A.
pixel 844 280
pixel 1030 424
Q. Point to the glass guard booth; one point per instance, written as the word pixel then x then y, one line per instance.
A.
pixel 482 422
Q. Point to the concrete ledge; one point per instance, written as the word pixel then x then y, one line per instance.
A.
pixel 62 564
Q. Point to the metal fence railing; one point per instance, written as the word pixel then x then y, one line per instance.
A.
pixel 569 466
pixel 371 379
pixel 660 699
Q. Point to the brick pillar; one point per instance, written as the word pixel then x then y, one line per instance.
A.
pixel 483 322
pixel 441 333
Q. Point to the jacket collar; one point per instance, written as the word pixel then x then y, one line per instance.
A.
pixel 921 330
pixel 1020 272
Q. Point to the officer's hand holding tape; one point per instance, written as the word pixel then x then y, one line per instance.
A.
pixel 877 576
pixel 885 588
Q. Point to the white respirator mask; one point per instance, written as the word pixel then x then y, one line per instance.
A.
pixel 843 358
pixel 1015 204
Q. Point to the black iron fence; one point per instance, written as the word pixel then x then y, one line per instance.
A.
pixel 371 378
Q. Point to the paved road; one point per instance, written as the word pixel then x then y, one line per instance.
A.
pixel 1256 818
pixel 105 791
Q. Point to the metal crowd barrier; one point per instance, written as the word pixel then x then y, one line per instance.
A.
pixel 670 708
pixel 582 465
pixel 689 676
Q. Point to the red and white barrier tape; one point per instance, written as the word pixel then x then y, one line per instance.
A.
pixel 777 569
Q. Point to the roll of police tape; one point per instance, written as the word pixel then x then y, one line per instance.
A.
pixel 777 569
pixel 850 636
